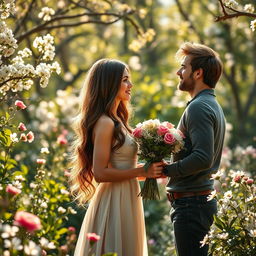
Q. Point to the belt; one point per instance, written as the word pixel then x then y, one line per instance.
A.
pixel 175 195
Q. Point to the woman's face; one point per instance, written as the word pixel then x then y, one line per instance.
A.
pixel 124 93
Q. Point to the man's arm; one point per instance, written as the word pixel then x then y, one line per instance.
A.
pixel 200 127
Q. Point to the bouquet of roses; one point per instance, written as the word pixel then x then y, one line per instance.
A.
pixel 156 141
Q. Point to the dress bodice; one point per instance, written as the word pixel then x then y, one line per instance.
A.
pixel 126 156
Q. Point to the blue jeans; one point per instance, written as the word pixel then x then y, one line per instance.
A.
pixel 192 218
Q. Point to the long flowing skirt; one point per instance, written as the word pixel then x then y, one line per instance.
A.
pixel 116 215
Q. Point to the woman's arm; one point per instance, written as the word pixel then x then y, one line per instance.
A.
pixel 103 134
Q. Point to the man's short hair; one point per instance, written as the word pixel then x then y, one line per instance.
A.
pixel 205 58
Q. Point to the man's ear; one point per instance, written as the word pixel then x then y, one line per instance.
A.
pixel 198 73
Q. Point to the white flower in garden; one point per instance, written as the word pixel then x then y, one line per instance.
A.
pixel 33 185
pixel 71 210
pixel 217 175
pixel 46 244
pixel 46 13
pixel 249 8
pixel 223 236
pixel 212 195
pixel 13 137
pixel 204 241
pixel 44 205
pixel 252 233
pixel 6 253
pixel 64 192
pixel 9 231
pixel 32 249
pixel 228 195
pixel 45 151
pixel 61 210
pixel 17 184
pixel 253 25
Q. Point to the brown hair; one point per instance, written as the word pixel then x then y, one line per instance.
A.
pixel 97 98
pixel 205 58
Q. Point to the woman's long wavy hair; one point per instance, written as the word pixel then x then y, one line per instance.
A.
pixel 97 98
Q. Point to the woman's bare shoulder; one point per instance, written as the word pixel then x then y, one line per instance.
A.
pixel 104 123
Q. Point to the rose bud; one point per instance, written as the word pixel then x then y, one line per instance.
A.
pixel 12 190
pixel 19 104
pixel 22 127
pixel 40 161
pixel 30 136
pixel 27 220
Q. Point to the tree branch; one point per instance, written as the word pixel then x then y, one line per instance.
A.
pixel 235 13
pixel 186 17
pixel 62 17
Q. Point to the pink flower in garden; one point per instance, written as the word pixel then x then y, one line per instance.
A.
pixel 30 136
pixel 137 132
pixel 72 229
pixel 169 138
pixel 12 190
pixel 40 161
pixel 237 178
pixel 249 182
pixel 27 220
pixel 23 137
pixel 92 237
pixel 62 140
pixel 162 130
pixel 20 104
pixel 22 127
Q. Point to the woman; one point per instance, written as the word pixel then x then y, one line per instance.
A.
pixel 106 152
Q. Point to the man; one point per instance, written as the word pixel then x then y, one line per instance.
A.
pixel 203 125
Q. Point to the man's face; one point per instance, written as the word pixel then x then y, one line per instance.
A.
pixel 187 82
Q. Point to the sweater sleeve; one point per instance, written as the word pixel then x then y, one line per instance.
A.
pixel 199 122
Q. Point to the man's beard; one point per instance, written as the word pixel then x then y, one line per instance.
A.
pixel 187 85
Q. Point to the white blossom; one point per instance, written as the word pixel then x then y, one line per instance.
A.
pixel 13 137
pixel 46 13
pixel 46 244
pixel 253 25
pixel 61 210
pixel 32 249
pixel 249 8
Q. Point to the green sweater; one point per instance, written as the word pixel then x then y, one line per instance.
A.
pixel 203 124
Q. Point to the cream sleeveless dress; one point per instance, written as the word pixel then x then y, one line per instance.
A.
pixel 116 212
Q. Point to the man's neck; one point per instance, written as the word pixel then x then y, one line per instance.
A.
pixel 198 89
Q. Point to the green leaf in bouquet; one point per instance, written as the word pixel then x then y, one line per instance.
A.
pixel 110 254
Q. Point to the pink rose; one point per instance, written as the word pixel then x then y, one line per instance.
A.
pixel 23 137
pixel 249 182
pixel 169 138
pixel 92 237
pixel 137 132
pixel 62 140
pixel 168 125
pixel 162 130
pixel 72 229
pixel 237 178
pixel 12 190
pixel 40 161
pixel 27 220
pixel 30 136
pixel 22 127
pixel 19 104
